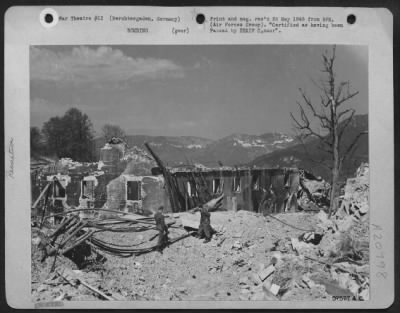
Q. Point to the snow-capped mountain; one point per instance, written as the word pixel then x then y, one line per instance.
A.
pixel 237 148
pixel 263 141
pixel 232 150
pixel 311 157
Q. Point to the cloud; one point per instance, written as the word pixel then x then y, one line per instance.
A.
pixel 102 65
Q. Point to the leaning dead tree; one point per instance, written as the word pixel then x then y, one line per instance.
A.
pixel 328 121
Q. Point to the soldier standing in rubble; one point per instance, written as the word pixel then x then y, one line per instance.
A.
pixel 205 229
pixel 162 229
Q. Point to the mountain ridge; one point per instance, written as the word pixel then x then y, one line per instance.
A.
pixel 309 156
pixel 271 149
pixel 235 149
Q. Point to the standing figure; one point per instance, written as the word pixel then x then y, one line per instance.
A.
pixel 162 229
pixel 205 229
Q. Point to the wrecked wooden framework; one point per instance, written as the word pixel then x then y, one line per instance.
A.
pixel 259 190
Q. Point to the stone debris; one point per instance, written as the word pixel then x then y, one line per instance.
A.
pixel 314 194
pixel 265 273
pixel 355 201
pixel 237 245
pixel 250 258
pixel 274 289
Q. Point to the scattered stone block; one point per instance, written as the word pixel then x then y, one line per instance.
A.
pixel 237 245
pixel 275 289
pixel 268 295
pixel 265 273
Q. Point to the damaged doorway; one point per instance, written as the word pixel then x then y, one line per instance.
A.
pixel 58 191
pixel 57 196
pixel 133 190
pixel 134 196
pixel 88 189
pixel 88 185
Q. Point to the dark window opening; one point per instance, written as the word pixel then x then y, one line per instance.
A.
pixel 256 184
pixel 58 191
pixel 217 185
pixel 236 184
pixel 87 189
pixel 133 190
pixel 191 189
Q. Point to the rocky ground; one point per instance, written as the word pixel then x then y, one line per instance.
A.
pixel 252 257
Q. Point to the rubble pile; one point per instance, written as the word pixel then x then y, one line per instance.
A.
pixel 137 154
pixel 298 256
pixel 355 201
pixel 138 161
pixel 314 194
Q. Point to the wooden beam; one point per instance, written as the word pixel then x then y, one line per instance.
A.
pixel 41 195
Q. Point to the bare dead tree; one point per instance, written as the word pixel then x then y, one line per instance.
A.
pixel 332 120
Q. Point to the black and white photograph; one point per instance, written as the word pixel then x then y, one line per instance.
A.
pixel 199 157
pixel 199 172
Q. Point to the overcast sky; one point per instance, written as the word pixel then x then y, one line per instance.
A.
pixel 208 91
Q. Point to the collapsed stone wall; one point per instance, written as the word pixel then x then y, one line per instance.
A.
pixel 152 192
pixel 355 200
pixel 116 198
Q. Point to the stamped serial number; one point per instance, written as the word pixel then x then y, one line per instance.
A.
pixel 341 298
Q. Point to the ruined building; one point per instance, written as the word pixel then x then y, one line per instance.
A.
pixel 130 180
